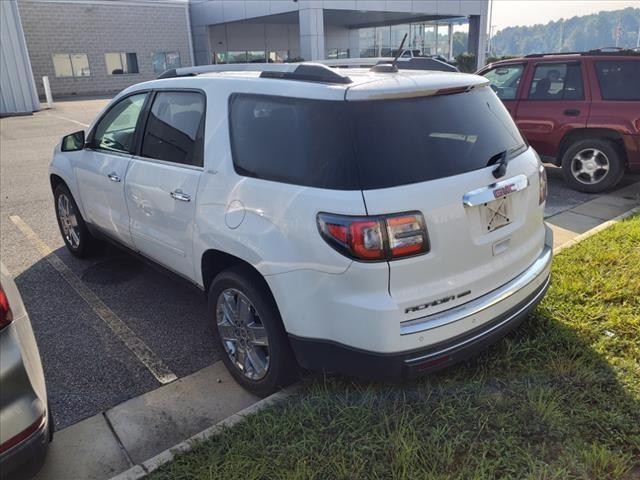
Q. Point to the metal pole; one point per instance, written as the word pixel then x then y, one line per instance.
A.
pixel 47 91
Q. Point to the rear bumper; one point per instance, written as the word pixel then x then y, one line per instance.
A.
pixel 330 356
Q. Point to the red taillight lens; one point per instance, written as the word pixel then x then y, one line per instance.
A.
pixel 5 311
pixel 375 238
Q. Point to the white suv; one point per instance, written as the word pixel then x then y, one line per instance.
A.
pixel 380 224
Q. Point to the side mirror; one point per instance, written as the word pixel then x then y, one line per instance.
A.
pixel 73 142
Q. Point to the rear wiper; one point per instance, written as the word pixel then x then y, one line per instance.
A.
pixel 500 160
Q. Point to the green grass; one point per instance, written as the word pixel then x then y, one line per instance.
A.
pixel 558 398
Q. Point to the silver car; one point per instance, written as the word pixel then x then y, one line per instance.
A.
pixel 25 420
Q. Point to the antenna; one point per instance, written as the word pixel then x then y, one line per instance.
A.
pixel 399 52
pixel 390 67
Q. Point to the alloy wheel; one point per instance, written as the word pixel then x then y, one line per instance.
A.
pixel 590 166
pixel 242 333
pixel 68 221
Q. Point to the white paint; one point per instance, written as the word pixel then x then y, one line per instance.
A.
pixel 47 91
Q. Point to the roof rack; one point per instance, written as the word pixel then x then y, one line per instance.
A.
pixel 306 71
pixel 596 51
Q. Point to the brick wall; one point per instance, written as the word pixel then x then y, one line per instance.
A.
pixel 96 29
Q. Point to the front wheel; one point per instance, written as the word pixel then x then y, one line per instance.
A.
pixel 74 231
pixel 249 331
pixel 592 165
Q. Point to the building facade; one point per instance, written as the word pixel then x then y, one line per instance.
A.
pixel 252 31
pixel 89 47
pixel 17 88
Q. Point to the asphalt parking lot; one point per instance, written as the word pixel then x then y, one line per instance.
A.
pixel 88 368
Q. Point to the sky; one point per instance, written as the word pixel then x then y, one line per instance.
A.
pixel 511 13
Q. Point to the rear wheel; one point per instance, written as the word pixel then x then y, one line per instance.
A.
pixel 74 230
pixel 249 331
pixel 592 165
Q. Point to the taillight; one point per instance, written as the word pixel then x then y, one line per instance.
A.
pixel 542 177
pixel 375 238
pixel 5 311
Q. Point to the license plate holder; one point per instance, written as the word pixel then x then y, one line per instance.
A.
pixel 496 214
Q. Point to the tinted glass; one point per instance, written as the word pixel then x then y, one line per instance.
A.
pixel 120 63
pixel 619 79
pixel 505 80
pixel 175 128
pixel 557 81
pixel 374 144
pixel 116 130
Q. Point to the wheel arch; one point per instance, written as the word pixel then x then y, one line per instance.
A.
pixel 215 261
pixel 578 134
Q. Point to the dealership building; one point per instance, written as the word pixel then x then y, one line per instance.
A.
pixel 88 47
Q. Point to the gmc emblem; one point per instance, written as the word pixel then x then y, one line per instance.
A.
pixel 502 191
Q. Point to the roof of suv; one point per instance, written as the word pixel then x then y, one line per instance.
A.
pixel 361 84
pixel 599 53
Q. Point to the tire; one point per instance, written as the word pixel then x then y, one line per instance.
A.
pixel 264 369
pixel 584 162
pixel 80 243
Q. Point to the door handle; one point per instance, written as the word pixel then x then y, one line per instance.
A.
pixel 572 112
pixel 179 195
pixel 113 177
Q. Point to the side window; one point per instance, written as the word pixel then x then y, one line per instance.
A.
pixel 504 80
pixel 619 79
pixel 557 81
pixel 115 132
pixel 175 128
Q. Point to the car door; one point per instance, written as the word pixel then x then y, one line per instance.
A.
pixel 505 80
pixel 102 166
pixel 162 181
pixel 555 102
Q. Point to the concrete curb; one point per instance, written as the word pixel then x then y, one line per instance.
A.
pixel 141 470
pixel 596 229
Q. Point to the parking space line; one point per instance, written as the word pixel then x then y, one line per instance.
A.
pixel 68 119
pixel 142 352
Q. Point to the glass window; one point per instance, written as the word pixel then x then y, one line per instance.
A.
pixel 116 130
pixel 71 65
pixel 505 80
pixel 120 63
pixel 236 57
pixel 162 61
pixel 175 128
pixel 256 57
pixel 557 81
pixel 279 56
pixel 354 145
pixel 619 79
pixel 337 53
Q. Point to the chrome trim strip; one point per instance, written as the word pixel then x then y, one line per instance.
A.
pixel 486 332
pixel 476 306
pixel 483 195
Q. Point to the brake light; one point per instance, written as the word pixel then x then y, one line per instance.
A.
pixel 542 177
pixel 375 238
pixel 6 317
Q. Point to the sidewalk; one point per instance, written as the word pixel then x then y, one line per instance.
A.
pixel 128 434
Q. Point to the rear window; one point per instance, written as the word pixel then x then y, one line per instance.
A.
pixel 368 144
pixel 619 79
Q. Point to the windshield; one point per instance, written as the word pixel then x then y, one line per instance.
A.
pixel 368 144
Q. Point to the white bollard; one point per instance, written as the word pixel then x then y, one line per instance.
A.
pixel 47 91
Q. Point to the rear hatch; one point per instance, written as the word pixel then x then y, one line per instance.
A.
pixel 436 154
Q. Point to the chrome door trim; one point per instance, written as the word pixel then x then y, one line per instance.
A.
pixel 474 307
pixel 494 191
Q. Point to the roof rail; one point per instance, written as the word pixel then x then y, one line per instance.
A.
pixel 595 51
pixel 306 71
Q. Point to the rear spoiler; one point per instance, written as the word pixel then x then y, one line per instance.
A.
pixel 419 63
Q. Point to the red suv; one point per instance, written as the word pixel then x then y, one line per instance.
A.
pixel 578 110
